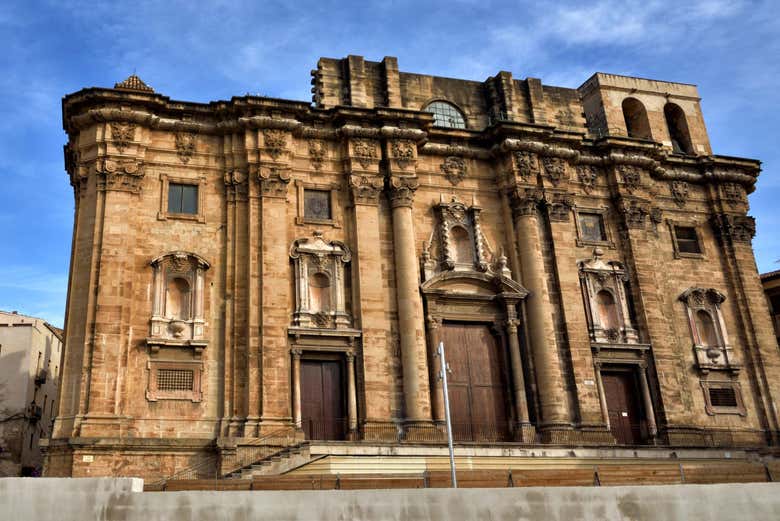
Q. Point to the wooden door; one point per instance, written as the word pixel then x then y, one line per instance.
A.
pixel 625 415
pixel 476 384
pixel 322 400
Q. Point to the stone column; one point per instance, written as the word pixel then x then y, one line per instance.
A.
pixel 541 328
pixel 296 386
pixel 524 432
pixel 351 396
pixel 437 392
pixel 602 396
pixel 370 288
pixel 648 401
pixel 401 192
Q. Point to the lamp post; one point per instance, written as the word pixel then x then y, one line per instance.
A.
pixel 443 375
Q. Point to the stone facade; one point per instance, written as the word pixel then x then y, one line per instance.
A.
pixel 771 283
pixel 224 251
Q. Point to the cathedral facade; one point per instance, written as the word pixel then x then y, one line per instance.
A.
pixel 259 269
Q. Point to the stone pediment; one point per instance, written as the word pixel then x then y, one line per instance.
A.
pixel 473 285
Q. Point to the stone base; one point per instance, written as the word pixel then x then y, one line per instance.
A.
pixel 697 437
pixel 525 433
pixel 424 432
pixel 566 435
pixel 380 431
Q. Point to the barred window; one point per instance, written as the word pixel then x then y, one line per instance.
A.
pixel 446 115
pixel 723 397
pixel 175 379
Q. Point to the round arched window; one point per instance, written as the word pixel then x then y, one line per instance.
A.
pixel 446 115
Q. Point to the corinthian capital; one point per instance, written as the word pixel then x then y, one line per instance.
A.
pixel 365 189
pixel 401 190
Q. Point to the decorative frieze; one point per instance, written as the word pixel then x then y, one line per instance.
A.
pixel 403 152
pixel 554 169
pixel 318 150
pixel 736 228
pixel 122 134
pixel 587 175
pixel 365 151
pixel 274 141
pixel 679 190
pixel 185 145
pixel 526 165
pixel 401 190
pixel 454 169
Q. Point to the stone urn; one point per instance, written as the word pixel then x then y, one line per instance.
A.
pixel 176 327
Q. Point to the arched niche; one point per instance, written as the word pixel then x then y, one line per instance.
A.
pixel 178 281
pixel 678 129
pixel 635 115
pixel 320 283
pixel 711 346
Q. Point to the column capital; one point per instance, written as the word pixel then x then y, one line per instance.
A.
pixel 122 175
pixel 401 190
pixel 559 206
pixel 525 201
pixel 511 326
pixel 434 321
pixel 296 352
pixel 737 228
pixel 273 181
pixel 365 189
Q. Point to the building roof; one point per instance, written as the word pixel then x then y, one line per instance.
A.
pixel 133 82
pixel 770 275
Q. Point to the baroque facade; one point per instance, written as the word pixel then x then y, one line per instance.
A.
pixel 247 268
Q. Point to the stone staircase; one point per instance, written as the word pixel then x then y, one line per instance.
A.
pixel 280 462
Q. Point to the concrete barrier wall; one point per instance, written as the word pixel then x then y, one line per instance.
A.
pixel 63 499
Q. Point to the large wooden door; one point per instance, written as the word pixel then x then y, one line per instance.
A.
pixel 322 400
pixel 625 418
pixel 476 385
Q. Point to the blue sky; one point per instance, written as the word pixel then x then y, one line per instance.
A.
pixel 203 51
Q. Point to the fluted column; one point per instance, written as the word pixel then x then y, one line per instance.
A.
pixel 648 401
pixel 401 192
pixel 541 327
pixel 524 431
pixel 296 386
pixel 351 396
pixel 437 392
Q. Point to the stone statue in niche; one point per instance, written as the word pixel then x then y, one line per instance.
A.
pixel 320 283
pixel 606 300
pixel 458 244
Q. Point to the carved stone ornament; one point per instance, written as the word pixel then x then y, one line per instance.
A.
pixel 559 206
pixel 320 283
pixel 698 298
pixel 555 169
pixel 527 164
pixel 123 175
pixel 273 182
pixel 454 168
pixel 317 151
pixel 235 183
pixel 733 193
pixel 587 175
pixel 634 213
pixel 274 141
pixel 403 152
pixel 710 339
pixel 737 228
pixel 632 178
pixel 366 189
pixel 402 190
pixel 525 201
pixel 679 191
pixel 365 152
pixel 122 134
pixel 185 145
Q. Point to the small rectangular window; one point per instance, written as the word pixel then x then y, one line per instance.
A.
pixel 687 239
pixel 316 204
pixel 723 397
pixel 592 227
pixel 183 198
pixel 175 379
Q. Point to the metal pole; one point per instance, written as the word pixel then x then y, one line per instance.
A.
pixel 443 376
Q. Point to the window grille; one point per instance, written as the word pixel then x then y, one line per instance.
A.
pixel 316 204
pixel 175 379
pixel 723 397
pixel 687 239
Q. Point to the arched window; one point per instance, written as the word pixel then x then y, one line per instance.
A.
pixel 461 245
pixel 637 124
pixel 446 115
pixel 706 329
pixel 177 299
pixel 319 293
pixel 678 129
pixel 607 310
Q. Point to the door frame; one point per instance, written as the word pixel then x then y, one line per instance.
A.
pixel 315 356
pixel 638 369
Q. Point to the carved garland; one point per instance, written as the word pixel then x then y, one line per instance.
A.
pixel 454 169
pixel 403 153
pixel 365 152
pixel 317 152
pixel 679 190
pixel 122 134
pixel 185 145
pixel 274 140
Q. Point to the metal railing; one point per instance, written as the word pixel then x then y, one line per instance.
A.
pixel 322 429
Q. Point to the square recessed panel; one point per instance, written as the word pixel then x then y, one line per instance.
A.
pixel 592 227
pixel 316 204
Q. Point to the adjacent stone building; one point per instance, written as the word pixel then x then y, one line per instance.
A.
pixel 30 361
pixel 259 268
pixel 771 283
